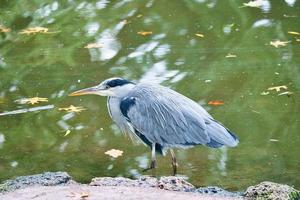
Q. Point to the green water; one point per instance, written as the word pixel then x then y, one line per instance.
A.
pixel 55 64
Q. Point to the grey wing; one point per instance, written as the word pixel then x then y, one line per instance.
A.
pixel 165 118
pixel 170 119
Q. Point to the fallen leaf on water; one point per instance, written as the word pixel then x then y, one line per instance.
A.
pixel 264 93
pixel 93 45
pixel 84 194
pixel 72 108
pixel 3 29
pixel 294 33
pixel 125 21
pixel 216 103
pixel 255 111
pixel 144 33
pixel 278 43
pixel 114 153
pixel 278 88
pixel 285 15
pixel 67 133
pixel 81 195
pixel 298 40
pixel 254 4
pixel 199 35
pixel 140 15
pixel 32 100
pixel 273 140
pixel 34 30
pixel 288 93
pixel 230 56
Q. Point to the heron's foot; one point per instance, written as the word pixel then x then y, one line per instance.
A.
pixel 152 166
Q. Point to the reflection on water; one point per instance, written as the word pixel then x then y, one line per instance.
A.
pixel 233 62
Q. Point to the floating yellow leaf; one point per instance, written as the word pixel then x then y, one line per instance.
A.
pixel 278 43
pixel 72 108
pixel 274 140
pixel 114 153
pixel 254 4
pixel 93 45
pixel 216 103
pixel 298 40
pixel 67 133
pixel 34 30
pixel 294 33
pixel 3 29
pixel 278 88
pixel 32 100
pixel 139 16
pixel 144 33
pixel 230 56
pixel 199 35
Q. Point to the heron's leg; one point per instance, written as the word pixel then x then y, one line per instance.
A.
pixel 174 162
pixel 153 157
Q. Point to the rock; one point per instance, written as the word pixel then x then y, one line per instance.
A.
pixel 272 191
pixel 213 190
pixel 45 179
pixel 172 183
pixel 143 181
pixel 175 183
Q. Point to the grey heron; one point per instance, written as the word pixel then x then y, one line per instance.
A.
pixel 160 117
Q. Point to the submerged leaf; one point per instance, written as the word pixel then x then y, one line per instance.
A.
pixel 294 33
pixel 216 103
pixel 72 108
pixel 3 29
pixel 254 4
pixel 114 153
pixel 144 33
pixel 264 93
pixel 278 43
pixel 32 100
pixel 67 133
pixel 278 88
pixel 34 30
pixel 199 35
pixel 288 93
pixel 230 56
pixel 93 45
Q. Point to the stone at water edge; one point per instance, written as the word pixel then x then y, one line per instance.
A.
pixel 272 191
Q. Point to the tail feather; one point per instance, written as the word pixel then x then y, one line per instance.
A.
pixel 219 135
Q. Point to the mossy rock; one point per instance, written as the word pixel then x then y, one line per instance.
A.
pixel 272 191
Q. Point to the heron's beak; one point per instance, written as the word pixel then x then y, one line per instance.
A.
pixel 92 90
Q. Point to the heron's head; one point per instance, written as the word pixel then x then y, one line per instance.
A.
pixel 116 87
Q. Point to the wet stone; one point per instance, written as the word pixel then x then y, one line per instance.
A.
pixel 45 179
pixel 214 190
pixel 272 191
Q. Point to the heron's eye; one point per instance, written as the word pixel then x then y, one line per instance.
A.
pixel 107 87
